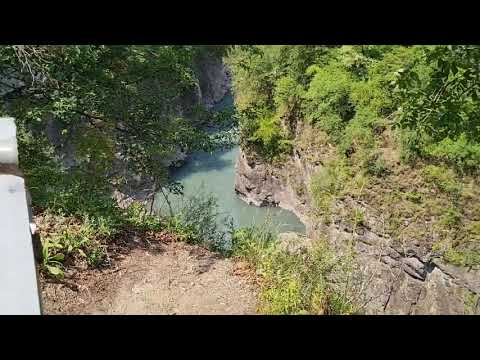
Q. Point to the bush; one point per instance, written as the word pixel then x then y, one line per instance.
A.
pixel 463 258
pixel 460 153
pixel 294 283
pixel 198 221
pixel 328 181
pixel 439 97
pixel 287 92
pixel 376 165
pixel 414 197
pixel 270 136
pixel 253 244
pixel 444 179
pixel 328 100
pixel 356 137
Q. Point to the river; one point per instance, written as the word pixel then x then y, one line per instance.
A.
pixel 215 174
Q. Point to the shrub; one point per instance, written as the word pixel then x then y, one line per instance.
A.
pixel 414 197
pixel 376 165
pixel 287 91
pixel 328 180
pixel 67 237
pixel 461 153
pixel 452 216
pixel 270 136
pixel 439 97
pixel 465 258
pixel 295 283
pixel 444 179
pixel 198 221
pixel 328 98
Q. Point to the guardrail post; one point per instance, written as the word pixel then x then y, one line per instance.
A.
pixel 18 276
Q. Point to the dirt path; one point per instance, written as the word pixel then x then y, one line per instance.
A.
pixel 176 279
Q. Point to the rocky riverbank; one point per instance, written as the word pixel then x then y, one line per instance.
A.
pixel 399 276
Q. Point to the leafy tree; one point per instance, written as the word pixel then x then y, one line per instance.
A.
pixel 440 109
pixel 125 99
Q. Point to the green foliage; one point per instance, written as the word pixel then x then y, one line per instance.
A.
pixel 351 91
pixel 414 197
pixel 253 244
pixel 270 136
pixel 328 181
pixel 358 217
pixel 51 260
pixel 95 151
pixel 374 103
pixel 97 256
pixel 253 83
pixel 269 86
pixel 464 253
pixel 287 92
pixel 451 217
pixel 465 258
pixel 472 303
pixel 70 192
pixel 376 165
pixel 294 283
pixel 198 221
pixel 69 237
pixel 136 216
pixel 443 178
pixel 347 91
pixel 357 137
pixel 461 153
pixel 87 236
pixel 107 102
pixel 327 99
pixel 354 61
pixel 441 105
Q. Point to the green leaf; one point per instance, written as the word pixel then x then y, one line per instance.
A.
pixel 55 271
pixel 58 257
pixel 475 96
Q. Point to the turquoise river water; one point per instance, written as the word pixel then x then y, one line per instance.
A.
pixel 215 174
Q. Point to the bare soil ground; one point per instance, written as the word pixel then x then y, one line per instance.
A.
pixel 168 278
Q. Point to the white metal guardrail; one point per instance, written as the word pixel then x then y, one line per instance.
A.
pixel 18 277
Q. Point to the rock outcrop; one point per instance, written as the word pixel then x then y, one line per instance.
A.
pixel 260 184
pixel 214 80
pixel 396 277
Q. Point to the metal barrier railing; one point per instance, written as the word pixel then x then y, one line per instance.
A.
pixel 19 293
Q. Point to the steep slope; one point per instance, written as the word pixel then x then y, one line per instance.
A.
pixel 321 136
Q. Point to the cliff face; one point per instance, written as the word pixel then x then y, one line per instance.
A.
pixel 214 80
pixel 260 184
pixel 397 276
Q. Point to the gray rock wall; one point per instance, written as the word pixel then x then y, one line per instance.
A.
pixel 396 277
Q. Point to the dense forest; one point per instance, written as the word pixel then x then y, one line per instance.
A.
pixel 391 133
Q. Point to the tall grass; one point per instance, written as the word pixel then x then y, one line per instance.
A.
pixel 309 282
